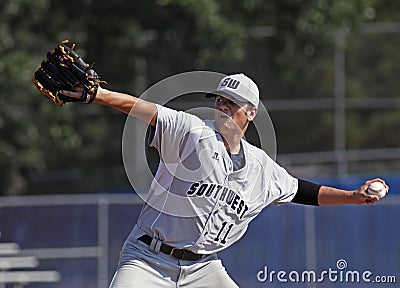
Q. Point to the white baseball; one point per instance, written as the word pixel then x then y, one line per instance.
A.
pixel 378 189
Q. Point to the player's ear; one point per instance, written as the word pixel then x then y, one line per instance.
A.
pixel 251 113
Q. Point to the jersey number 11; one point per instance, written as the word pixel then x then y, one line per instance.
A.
pixel 223 235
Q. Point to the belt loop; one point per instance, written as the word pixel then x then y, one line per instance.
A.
pixel 158 246
pixel 155 245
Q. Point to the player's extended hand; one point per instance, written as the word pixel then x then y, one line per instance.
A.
pixel 77 93
pixel 360 195
pixel 64 69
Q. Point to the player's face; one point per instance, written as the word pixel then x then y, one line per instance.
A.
pixel 231 117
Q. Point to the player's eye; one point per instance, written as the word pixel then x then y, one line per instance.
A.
pixel 219 101
pixel 223 101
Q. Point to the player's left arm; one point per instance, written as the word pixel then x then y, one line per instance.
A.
pixel 309 193
pixel 128 104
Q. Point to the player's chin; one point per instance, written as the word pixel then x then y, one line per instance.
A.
pixel 224 123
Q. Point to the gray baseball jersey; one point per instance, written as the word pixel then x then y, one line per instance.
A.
pixel 197 201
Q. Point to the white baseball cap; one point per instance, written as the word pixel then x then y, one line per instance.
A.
pixel 239 87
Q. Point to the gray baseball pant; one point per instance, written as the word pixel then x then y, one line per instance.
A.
pixel 141 267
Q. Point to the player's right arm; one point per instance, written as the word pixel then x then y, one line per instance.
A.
pixel 312 194
pixel 128 104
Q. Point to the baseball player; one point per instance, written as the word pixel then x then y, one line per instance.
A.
pixel 232 183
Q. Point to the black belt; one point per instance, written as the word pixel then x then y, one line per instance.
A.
pixel 181 254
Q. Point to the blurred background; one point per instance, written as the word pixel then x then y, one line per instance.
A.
pixel 328 76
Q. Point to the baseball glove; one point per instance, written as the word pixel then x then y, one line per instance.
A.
pixel 64 69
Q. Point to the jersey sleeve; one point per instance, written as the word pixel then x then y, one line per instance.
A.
pixel 282 185
pixel 169 132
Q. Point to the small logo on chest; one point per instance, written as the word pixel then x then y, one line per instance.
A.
pixel 215 156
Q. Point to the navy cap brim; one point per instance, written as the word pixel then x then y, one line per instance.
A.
pixel 225 95
pixel 211 95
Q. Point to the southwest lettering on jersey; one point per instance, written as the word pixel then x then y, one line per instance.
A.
pixel 221 193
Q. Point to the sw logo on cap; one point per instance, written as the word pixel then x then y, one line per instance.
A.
pixel 230 83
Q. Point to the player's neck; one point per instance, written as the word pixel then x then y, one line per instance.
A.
pixel 233 145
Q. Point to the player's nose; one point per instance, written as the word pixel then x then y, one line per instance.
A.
pixel 223 107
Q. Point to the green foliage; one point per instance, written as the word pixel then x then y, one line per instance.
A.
pixel 131 40
pixel 372 72
pixel 308 29
pixel 24 138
